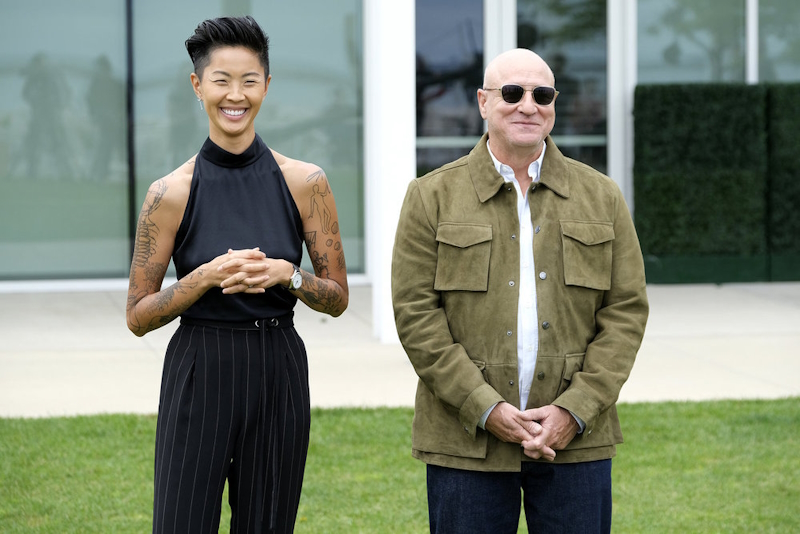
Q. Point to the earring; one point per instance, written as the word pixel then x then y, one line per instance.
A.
pixel 200 100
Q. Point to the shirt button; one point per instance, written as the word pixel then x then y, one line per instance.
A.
pixel 540 376
pixel 511 283
pixel 537 229
pixel 542 275
pixel 545 325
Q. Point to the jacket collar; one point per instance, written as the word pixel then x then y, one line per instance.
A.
pixel 487 181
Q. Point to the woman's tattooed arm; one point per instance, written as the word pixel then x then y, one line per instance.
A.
pixel 326 290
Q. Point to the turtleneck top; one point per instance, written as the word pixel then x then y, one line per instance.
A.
pixel 238 201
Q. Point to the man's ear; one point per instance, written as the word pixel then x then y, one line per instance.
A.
pixel 482 103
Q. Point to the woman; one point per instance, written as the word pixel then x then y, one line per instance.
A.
pixel 234 396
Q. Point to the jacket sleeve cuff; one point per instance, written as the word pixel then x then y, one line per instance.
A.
pixel 582 407
pixel 479 401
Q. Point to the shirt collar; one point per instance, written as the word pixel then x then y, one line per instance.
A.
pixel 534 169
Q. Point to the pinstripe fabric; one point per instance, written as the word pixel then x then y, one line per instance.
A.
pixel 234 405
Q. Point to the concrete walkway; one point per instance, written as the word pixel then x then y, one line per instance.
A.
pixel 71 353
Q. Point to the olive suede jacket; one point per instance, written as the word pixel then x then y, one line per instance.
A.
pixel 454 272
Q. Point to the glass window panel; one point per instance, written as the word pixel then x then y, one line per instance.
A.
pixel 691 41
pixel 429 159
pixel 779 40
pixel 570 35
pixel 449 37
pixel 63 158
pixel 312 112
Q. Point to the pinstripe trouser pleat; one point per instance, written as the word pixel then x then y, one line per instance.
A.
pixel 234 405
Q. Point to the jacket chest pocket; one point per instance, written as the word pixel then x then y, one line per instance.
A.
pixel 464 251
pixel 587 253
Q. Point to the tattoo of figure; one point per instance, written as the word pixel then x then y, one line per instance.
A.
pixel 321 190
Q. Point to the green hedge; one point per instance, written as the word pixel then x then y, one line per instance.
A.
pixel 713 182
pixel 783 181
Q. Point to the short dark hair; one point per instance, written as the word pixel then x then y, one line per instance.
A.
pixel 227 31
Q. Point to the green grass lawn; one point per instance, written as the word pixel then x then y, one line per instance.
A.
pixel 731 466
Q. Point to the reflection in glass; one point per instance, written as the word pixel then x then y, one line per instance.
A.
pixel 691 41
pixel 449 67
pixel 779 40
pixel 570 35
pixel 63 172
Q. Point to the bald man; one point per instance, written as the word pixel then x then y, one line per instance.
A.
pixel 519 296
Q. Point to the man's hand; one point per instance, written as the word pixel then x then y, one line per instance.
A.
pixel 558 429
pixel 508 424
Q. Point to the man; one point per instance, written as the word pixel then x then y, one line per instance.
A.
pixel 519 296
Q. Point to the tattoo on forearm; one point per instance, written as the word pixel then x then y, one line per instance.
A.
pixel 319 293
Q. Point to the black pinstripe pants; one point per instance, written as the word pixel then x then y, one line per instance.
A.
pixel 234 405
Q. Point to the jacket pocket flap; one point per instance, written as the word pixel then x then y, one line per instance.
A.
pixel 463 235
pixel 588 233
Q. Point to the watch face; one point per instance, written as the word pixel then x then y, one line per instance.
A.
pixel 297 280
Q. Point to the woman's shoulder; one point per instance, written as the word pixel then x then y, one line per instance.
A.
pixel 173 189
pixel 295 169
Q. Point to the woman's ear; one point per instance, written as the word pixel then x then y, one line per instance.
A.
pixel 195 79
pixel 266 86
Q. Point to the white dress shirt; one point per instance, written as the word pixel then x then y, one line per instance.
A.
pixel 527 316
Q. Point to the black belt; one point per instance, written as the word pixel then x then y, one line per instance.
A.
pixel 283 321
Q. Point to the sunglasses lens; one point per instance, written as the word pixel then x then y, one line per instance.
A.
pixel 544 95
pixel 512 93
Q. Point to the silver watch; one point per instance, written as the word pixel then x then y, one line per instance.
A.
pixel 296 280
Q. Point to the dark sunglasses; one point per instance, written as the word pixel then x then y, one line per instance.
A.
pixel 542 95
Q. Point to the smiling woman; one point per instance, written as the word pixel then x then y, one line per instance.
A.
pixel 231 88
pixel 233 219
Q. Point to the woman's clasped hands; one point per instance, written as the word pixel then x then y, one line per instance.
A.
pixel 246 271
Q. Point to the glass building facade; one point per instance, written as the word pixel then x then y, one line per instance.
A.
pixel 76 160
pixel 97 101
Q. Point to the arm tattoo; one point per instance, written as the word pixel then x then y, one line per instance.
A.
pixel 318 293
pixel 147 230
pixel 321 190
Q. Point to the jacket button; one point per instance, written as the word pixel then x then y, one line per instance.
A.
pixel 511 283
pixel 513 236
pixel 537 229
pixel 545 325
pixel 542 275
pixel 510 382
pixel 540 376
pixel 509 333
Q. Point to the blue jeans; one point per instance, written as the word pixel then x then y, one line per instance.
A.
pixel 573 498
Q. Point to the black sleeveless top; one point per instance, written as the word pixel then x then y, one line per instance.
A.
pixel 238 201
